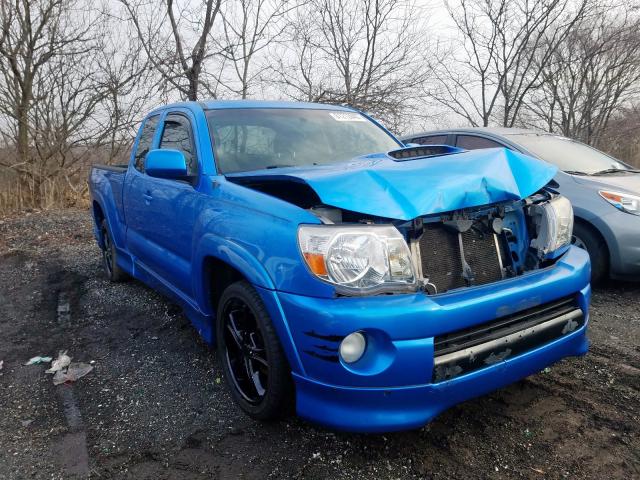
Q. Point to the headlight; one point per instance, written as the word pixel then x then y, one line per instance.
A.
pixel 554 224
pixel 357 258
pixel 622 201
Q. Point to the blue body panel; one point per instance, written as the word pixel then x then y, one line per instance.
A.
pixel 166 232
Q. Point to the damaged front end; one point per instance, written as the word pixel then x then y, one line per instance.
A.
pixel 436 253
pixel 473 348
pixel 406 221
pixel 479 246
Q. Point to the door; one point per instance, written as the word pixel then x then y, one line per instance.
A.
pixel 163 211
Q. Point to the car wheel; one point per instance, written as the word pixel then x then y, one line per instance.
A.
pixel 587 239
pixel 110 256
pixel 255 367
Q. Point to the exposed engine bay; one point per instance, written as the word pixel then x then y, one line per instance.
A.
pixel 469 247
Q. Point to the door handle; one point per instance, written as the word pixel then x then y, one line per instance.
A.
pixel 147 197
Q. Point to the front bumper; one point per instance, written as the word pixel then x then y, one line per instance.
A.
pixel 404 408
pixel 391 387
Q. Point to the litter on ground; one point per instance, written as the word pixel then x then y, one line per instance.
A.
pixel 72 373
pixel 38 360
pixel 59 363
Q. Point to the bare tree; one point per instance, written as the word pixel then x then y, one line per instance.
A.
pixel 33 34
pixel 590 76
pixel 358 53
pixel 124 75
pixel 178 65
pixel 67 94
pixel 490 69
pixel 250 27
pixel 620 137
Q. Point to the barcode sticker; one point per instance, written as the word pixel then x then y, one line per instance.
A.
pixel 347 117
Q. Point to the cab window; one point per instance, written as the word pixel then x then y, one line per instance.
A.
pixel 177 135
pixel 430 140
pixel 473 142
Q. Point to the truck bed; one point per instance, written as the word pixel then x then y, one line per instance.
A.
pixel 111 168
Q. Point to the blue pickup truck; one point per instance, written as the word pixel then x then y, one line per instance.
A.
pixel 365 284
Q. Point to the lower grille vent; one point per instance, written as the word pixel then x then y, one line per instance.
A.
pixel 476 347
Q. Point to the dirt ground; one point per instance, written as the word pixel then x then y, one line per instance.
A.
pixel 154 407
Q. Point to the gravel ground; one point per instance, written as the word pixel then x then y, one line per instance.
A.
pixel 154 407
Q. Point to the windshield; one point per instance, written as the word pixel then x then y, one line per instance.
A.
pixel 253 139
pixel 568 155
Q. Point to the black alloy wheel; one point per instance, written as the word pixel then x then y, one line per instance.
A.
pixel 245 354
pixel 255 367
pixel 109 256
pixel 107 251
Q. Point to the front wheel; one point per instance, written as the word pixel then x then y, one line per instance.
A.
pixel 255 367
pixel 586 239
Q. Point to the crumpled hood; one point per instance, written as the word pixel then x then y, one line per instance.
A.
pixel 380 186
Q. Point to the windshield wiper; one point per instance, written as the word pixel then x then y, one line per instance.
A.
pixel 576 172
pixel 269 167
pixel 615 170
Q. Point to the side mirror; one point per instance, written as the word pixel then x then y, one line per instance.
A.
pixel 165 164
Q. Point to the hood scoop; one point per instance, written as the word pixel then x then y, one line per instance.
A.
pixel 423 151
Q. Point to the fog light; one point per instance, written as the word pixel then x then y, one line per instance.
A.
pixel 352 347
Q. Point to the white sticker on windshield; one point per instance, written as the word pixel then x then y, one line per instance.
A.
pixel 347 117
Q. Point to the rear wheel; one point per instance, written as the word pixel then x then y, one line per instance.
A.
pixel 585 238
pixel 254 364
pixel 110 256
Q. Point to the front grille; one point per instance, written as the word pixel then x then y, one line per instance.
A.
pixel 444 253
pixel 476 347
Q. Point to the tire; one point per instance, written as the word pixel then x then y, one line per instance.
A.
pixel 110 256
pixel 585 237
pixel 255 367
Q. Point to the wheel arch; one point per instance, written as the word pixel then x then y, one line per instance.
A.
pixel 98 217
pixel 598 234
pixel 221 263
pixel 217 276
pixel 233 261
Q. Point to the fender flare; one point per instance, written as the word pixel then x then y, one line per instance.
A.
pixel 211 245
pixel 116 233
pixel 114 225
pixel 252 270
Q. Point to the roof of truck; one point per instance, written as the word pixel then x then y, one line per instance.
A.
pixel 223 104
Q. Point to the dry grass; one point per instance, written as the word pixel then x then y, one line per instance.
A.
pixel 52 193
